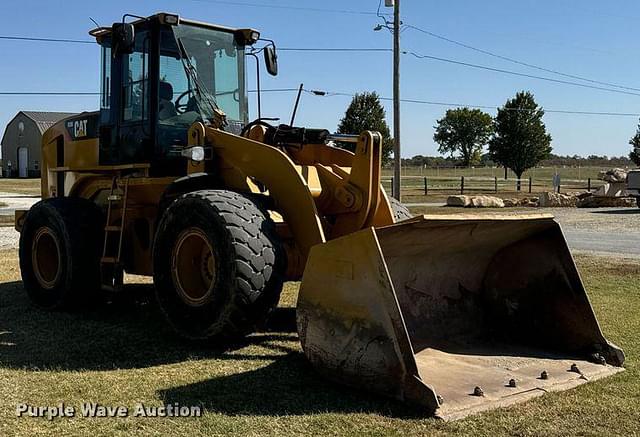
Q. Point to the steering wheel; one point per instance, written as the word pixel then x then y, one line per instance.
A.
pixel 235 93
pixel 181 108
pixel 257 122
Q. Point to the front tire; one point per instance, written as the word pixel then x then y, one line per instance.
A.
pixel 218 265
pixel 60 245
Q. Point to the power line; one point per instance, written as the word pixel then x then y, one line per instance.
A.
pixel 515 61
pixel 274 90
pixel 47 93
pixel 90 93
pixel 355 49
pixel 29 38
pixel 283 49
pixel 364 49
pixel 515 73
pixel 322 93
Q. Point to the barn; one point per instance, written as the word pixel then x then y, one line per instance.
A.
pixel 22 141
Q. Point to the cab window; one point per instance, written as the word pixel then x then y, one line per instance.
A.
pixel 135 81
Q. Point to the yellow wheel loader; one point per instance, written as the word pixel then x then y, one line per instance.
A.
pixel 171 179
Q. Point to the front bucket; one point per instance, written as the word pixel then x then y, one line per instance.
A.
pixel 456 315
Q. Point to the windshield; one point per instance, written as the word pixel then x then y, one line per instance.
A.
pixel 201 69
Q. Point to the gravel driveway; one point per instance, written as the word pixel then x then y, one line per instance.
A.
pixel 605 231
pixel 16 201
pixel 8 236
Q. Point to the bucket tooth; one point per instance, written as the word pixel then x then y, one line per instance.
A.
pixel 432 307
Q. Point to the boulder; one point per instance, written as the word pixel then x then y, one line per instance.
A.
pixel 459 201
pixel 556 200
pixel 487 202
pixel 475 201
pixel 606 202
pixel 510 203
pixel 611 189
pixel 613 175
pixel 583 195
pixel 529 202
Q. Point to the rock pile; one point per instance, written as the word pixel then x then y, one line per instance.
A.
pixel 557 200
pixel 530 202
pixel 463 201
pixel 486 202
pixel 606 202
pixel 614 175
pixel 459 201
pixel 583 200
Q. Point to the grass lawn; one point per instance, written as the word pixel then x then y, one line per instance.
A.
pixel 21 186
pixel 7 220
pixel 123 353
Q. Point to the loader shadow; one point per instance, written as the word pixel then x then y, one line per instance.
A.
pixel 131 333
pixel 286 387
pixel 127 333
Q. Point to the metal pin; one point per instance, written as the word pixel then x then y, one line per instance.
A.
pixel 478 391
pixel 544 375
pixel 512 383
pixel 574 368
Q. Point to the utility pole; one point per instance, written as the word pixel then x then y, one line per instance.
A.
pixel 397 160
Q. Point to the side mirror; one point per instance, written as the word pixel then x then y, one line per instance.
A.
pixel 271 60
pixel 123 37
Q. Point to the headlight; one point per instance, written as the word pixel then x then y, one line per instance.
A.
pixel 171 19
pixel 247 37
pixel 194 153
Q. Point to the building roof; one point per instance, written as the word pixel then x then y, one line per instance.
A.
pixel 44 120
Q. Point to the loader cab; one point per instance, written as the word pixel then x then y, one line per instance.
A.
pixel 161 74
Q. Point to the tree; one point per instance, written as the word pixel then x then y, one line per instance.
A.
pixel 520 141
pixel 635 142
pixel 365 112
pixel 464 132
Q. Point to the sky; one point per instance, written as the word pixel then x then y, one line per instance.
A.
pixel 586 38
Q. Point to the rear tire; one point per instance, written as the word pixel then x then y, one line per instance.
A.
pixel 218 265
pixel 60 246
pixel 400 212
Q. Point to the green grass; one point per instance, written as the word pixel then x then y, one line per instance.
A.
pixel 123 353
pixel 7 221
pixel 20 186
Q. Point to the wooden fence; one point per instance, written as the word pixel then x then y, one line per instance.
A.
pixel 472 184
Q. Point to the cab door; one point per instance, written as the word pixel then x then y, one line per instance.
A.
pixel 127 121
pixel 134 133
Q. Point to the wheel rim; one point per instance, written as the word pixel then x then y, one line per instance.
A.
pixel 45 258
pixel 193 267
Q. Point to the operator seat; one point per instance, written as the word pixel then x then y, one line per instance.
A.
pixel 167 108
